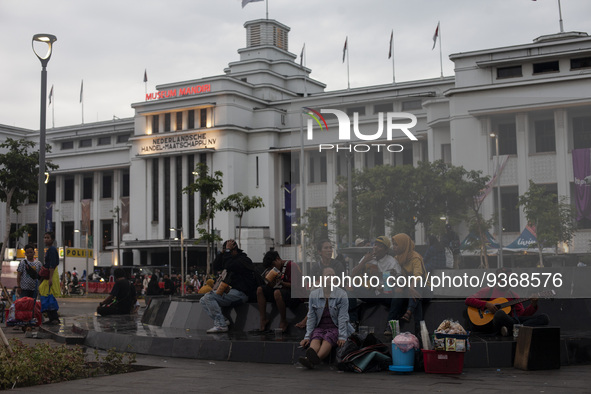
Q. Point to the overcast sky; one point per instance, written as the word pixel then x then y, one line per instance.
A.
pixel 109 44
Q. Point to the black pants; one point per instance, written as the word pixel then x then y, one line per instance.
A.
pixel 112 310
pixel 501 319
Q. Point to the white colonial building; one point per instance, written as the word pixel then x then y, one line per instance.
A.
pixel 249 123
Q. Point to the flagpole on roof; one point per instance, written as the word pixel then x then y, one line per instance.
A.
pixel 82 98
pixel 303 64
pixel 146 82
pixel 346 53
pixel 440 52
pixel 391 55
pixel 560 16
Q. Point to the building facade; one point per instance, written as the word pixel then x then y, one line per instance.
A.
pixel 250 124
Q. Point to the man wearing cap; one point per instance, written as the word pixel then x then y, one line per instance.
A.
pixel 375 263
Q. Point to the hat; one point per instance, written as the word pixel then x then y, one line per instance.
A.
pixel 359 242
pixel 382 239
pixel 209 282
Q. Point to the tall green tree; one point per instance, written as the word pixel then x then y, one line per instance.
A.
pixel 553 217
pixel 209 186
pixel 19 172
pixel 475 186
pixel 404 196
pixel 240 204
pixel 314 225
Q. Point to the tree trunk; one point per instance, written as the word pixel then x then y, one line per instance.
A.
pixel 208 269
pixel 239 230
pixel 7 225
pixel 540 247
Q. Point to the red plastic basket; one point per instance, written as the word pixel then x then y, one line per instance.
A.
pixel 437 361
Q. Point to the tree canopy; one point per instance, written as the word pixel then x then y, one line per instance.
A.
pixel 19 177
pixel 401 197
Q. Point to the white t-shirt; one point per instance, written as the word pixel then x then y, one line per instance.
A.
pixel 386 263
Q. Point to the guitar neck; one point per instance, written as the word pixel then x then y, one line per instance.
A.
pixel 511 303
pixel 548 293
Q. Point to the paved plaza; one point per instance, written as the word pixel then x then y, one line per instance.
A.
pixel 188 375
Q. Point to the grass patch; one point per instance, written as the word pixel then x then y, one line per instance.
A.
pixel 44 364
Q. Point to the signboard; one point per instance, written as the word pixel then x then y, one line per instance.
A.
pixel 74 252
pixel 186 91
pixel 171 142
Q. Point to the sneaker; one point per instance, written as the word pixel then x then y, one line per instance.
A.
pixel 306 363
pixel 312 356
pixel 217 329
pixel 504 331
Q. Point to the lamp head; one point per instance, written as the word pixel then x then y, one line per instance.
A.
pixel 48 39
pixel 493 135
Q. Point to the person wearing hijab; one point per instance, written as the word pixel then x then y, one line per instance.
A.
pixel 412 264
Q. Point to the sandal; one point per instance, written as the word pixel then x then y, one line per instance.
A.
pixel 406 316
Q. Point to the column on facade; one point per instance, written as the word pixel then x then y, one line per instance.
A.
pixel 116 206
pixel 185 197
pixel 77 211
pixel 161 123
pixel 523 171
pixel 172 191
pixel 563 161
pixel 57 207
pixel 196 200
pixel 95 218
pixel 149 198
pixel 161 190
pixel 185 125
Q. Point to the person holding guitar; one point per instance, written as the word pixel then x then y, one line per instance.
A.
pixel 497 309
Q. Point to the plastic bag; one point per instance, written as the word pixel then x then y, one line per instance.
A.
pixel 450 326
pixel 406 341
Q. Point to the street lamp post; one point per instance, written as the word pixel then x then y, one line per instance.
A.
pixel 498 172
pixel 49 40
pixel 182 265
pixel 170 253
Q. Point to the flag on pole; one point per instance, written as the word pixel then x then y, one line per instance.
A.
pixel 245 2
pixel 435 36
pixel 81 90
pixel 145 75
pixel 391 40
pixel 50 95
pixel 345 49
pixel 302 55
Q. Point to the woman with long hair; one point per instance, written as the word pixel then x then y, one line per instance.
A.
pixel 412 264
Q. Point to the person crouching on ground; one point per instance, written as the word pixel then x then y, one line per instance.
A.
pixel 242 284
pixel 278 289
pixel 121 300
pixel 328 322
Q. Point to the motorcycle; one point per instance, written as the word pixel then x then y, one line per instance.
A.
pixel 74 289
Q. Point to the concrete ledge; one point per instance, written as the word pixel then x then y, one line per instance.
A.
pixel 127 333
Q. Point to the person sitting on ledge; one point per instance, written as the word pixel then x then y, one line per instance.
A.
pixel 502 323
pixel 277 289
pixel 153 286
pixel 328 322
pixel 240 280
pixel 207 287
pixel 121 299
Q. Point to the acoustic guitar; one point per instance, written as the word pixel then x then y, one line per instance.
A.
pixel 481 317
